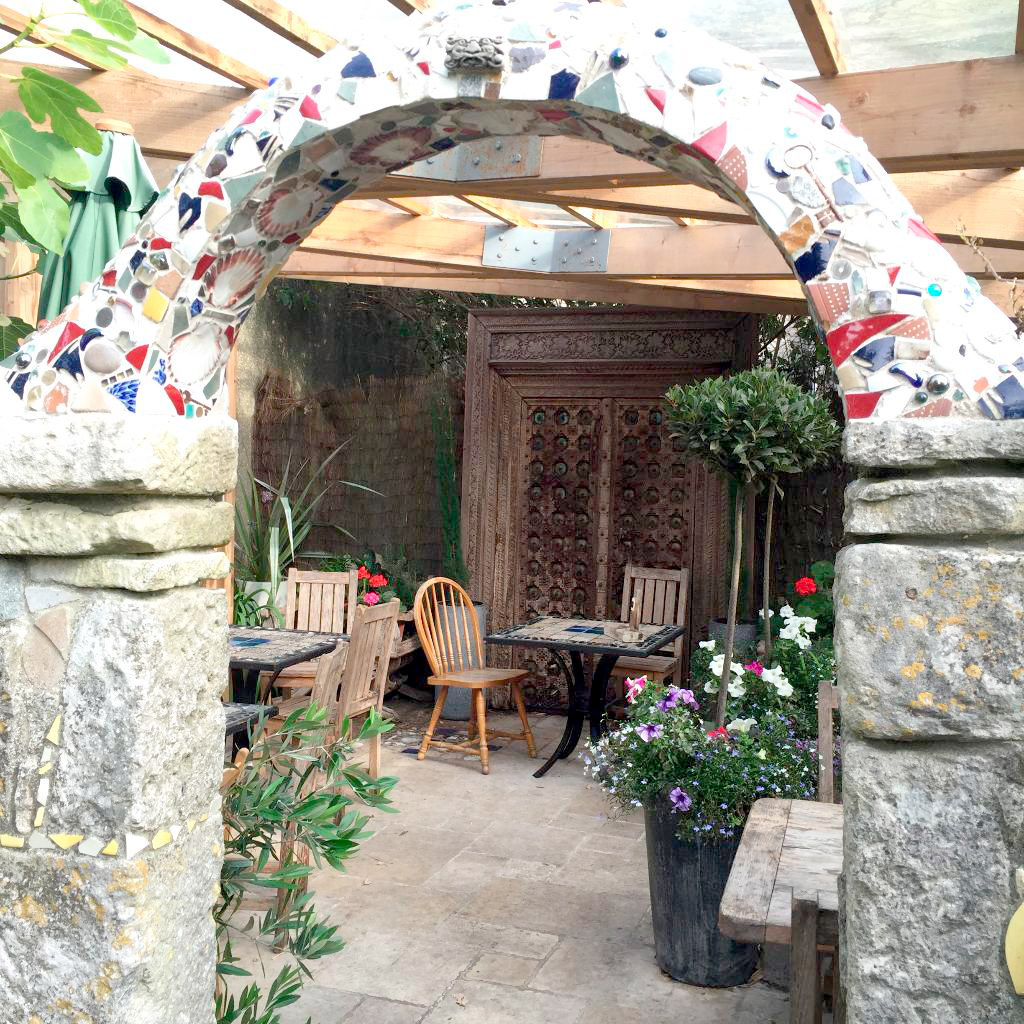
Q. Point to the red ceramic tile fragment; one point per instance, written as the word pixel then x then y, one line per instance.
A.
pixel 894 272
pixel 159 243
pixel 253 115
pixel 72 332
pixel 202 266
pixel 861 404
pixel 309 109
pixel 918 228
pixel 175 396
pixel 843 340
pixel 137 356
pixel 109 278
pixel 211 188
pixel 940 407
pixel 423 66
pixel 711 143
pixel 657 97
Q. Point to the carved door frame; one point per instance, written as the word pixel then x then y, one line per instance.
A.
pixel 517 356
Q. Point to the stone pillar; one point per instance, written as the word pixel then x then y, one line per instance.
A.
pixel 112 658
pixel 930 648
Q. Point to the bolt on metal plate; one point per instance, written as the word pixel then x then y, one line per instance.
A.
pixel 517 156
pixel 568 251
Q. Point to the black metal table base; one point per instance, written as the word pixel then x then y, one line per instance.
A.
pixel 581 707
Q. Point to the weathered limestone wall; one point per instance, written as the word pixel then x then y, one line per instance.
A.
pixel 930 646
pixel 112 658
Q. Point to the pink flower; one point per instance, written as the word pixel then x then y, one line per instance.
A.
pixel 756 667
pixel 634 687
pixel 371 598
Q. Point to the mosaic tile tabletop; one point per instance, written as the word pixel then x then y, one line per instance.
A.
pixel 909 333
pixel 273 649
pixel 586 635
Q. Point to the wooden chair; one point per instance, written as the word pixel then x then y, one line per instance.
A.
pixel 322 602
pixel 661 596
pixel 828 706
pixel 455 652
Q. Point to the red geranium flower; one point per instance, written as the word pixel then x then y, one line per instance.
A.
pixel 378 581
pixel 805 586
pixel 719 734
pixel 364 573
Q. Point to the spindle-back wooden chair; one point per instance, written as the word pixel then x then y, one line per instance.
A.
pixel 450 636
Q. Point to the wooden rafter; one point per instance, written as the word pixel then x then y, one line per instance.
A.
pixel 735 251
pixel 195 49
pixel 507 213
pixel 935 117
pixel 287 24
pixel 16 22
pixel 1020 28
pixel 819 32
pixel 595 218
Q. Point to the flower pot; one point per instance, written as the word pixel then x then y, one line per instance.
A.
pixel 687 880
pixel 746 633
pixel 261 591
pixel 458 705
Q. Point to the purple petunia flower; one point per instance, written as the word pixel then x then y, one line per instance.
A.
pixel 680 801
pixel 687 697
pixel 670 700
pixel 648 732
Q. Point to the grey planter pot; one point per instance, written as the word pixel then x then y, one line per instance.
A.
pixel 746 633
pixel 687 882
pixel 458 705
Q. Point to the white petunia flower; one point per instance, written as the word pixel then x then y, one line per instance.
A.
pixel 786 611
pixel 736 688
pixel 716 664
pixel 736 668
pixel 743 725
pixel 802 642
pixel 762 754
pixel 711 687
pixel 784 689
pixel 760 613
pixel 707 645
pixel 773 675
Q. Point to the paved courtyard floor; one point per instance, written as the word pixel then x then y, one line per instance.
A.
pixel 501 899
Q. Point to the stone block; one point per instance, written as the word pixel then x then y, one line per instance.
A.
pixel 90 525
pixel 12 588
pixel 933 835
pixel 941 505
pixel 140 573
pixel 110 939
pixel 930 641
pixel 102 454
pixel 924 443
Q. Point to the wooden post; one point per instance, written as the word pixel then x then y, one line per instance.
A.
pixel 803 975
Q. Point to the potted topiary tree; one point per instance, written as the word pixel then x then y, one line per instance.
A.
pixel 750 428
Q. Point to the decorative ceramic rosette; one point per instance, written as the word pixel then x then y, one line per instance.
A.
pixel 909 333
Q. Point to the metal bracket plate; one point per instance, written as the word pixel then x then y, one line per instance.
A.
pixel 567 251
pixel 517 156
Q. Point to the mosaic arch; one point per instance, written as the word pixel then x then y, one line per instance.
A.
pixel 909 333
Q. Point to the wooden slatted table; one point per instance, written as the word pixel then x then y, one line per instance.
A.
pixel 787 845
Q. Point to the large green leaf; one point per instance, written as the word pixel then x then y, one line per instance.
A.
pixel 12 330
pixel 112 16
pixel 45 215
pixel 109 53
pixel 12 230
pixel 46 96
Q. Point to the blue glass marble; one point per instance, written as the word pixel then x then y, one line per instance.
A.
pixel 563 86
pixel 442 144
pixel 876 353
pixel 196 308
pixel 1012 395
pixel 828 121
pixel 813 262
pixel 661 32
pixel 618 58
pixel 934 290
pixel 360 66
pixel 938 384
pixel 137 257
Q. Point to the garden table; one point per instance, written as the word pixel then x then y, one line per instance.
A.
pixel 239 717
pixel 254 650
pixel 578 637
pixel 788 847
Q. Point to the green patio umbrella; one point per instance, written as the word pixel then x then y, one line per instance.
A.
pixel 104 212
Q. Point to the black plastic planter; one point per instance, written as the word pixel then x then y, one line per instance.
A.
pixel 687 881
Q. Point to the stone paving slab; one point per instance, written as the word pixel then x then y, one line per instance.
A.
pixel 474 905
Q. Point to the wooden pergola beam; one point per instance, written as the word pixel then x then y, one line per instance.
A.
pixel 819 32
pixel 1020 28
pixel 287 24
pixel 195 49
pixel 733 251
pixel 16 22
pixel 962 114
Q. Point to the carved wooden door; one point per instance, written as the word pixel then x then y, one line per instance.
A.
pixel 570 470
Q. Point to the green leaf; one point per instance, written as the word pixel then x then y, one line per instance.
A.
pixel 44 214
pixel 112 16
pixel 12 330
pixel 46 96
pixel 110 52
